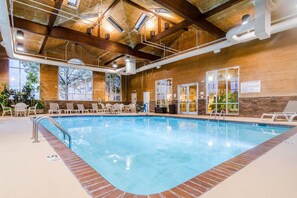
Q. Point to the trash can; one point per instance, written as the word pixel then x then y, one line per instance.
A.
pixel 172 109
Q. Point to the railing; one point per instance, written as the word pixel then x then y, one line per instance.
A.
pixel 215 113
pixel 54 122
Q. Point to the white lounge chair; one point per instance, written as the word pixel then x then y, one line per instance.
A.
pixel 108 108
pixel 32 109
pixel 70 108
pixel 132 108
pixel 95 108
pixel 290 110
pixel 6 110
pixel 103 109
pixel 292 117
pixel 81 109
pixel 54 108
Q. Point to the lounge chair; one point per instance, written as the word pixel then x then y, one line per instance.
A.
pixel 70 108
pixel 95 108
pixel 108 108
pixel 81 109
pixel 103 109
pixel 289 111
pixel 54 108
pixel 6 110
pixel 292 117
pixel 132 108
pixel 32 109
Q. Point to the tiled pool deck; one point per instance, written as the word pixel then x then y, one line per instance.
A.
pixel 97 186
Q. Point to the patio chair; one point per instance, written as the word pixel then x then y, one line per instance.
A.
pixel 289 111
pixel 115 108
pixel 81 109
pixel 70 108
pixel 32 109
pixel 108 108
pixel 54 108
pixel 6 110
pixel 122 107
pixel 95 108
pixel 20 109
pixel 103 108
pixel 131 108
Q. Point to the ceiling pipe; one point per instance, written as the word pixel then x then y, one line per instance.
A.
pixel 7 43
pixel 275 28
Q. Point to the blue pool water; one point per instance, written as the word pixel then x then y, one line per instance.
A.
pixel 145 155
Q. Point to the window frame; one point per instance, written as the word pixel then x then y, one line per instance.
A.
pixel 92 83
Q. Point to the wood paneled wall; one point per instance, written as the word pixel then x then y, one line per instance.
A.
pixel 4 71
pixel 273 61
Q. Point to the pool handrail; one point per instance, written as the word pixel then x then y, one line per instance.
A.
pixel 36 122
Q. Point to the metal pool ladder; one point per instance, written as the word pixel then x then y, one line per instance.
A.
pixel 36 122
pixel 215 113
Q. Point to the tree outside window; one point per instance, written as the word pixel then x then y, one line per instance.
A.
pixel 113 86
pixel 24 77
pixel 75 84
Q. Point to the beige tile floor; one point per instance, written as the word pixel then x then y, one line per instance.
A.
pixel 25 171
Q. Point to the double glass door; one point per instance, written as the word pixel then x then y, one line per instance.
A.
pixel 188 98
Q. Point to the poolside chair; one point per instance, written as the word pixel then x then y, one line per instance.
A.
pixel 32 109
pixel 108 108
pixel 6 110
pixel 292 117
pixel 20 109
pixel 122 107
pixel 103 109
pixel 290 110
pixel 115 108
pixel 95 108
pixel 81 109
pixel 70 108
pixel 131 108
pixel 54 108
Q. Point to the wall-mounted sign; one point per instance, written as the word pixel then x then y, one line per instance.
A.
pixel 251 86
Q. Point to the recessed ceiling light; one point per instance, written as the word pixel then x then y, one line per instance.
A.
pixel 20 35
pixel 245 19
pixel 20 47
pixel 114 64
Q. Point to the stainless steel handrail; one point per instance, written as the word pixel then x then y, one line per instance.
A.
pixel 54 122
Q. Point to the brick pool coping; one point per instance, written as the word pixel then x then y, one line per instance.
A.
pixel 96 186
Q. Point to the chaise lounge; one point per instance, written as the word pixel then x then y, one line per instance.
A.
pixel 288 113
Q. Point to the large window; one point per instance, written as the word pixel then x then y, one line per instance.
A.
pixel 163 95
pixel 23 74
pixel 222 90
pixel 75 84
pixel 113 84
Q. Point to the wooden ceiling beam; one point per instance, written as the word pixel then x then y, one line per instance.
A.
pixel 220 8
pixel 114 59
pixel 51 23
pixel 180 26
pixel 192 14
pixel 81 38
pixel 147 10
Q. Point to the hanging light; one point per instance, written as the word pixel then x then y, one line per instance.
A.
pixel 20 35
pixel 20 47
pixel 166 26
pixel 245 19
pixel 114 64
pixel 152 33
pixel 107 36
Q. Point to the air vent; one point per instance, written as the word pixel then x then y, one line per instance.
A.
pixel 115 24
pixel 161 10
pixel 141 21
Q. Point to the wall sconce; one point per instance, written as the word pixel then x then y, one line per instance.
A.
pixel 107 36
pixel 152 33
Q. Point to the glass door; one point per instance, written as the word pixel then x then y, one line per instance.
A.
pixel 188 98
